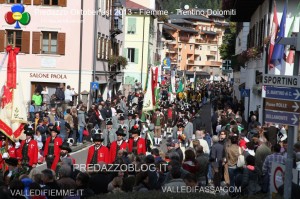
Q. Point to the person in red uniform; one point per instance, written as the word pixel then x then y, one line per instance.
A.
pixel 98 152
pixel 30 150
pixel 136 145
pixel 52 150
pixel 117 145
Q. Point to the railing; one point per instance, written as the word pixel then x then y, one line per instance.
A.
pixel 190 61
pixel 213 52
pixel 184 38
pixel 212 42
pixel 213 63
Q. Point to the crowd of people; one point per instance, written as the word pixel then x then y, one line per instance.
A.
pixel 230 152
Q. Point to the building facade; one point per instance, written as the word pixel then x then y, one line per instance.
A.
pixel 194 42
pixel 62 44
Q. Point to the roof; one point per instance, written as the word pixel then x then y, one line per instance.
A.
pixel 180 21
pixel 166 27
pixel 191 17
pixel 183 28
pixel 133 5
pixel 209 32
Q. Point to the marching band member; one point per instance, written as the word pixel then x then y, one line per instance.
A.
pixel 117 145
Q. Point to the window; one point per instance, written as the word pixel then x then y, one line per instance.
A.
pixel 49 43
pixel 208 47
pixel 14 1
pixel 199 58
pixel 130 54
pixel 191 47
pixel 50 2
pixel 131 29
pixel 200 47
pixel 14 38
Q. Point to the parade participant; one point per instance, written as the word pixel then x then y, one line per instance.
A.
pixel 115 119
pixel 65 151
pixel 123 124
pixel 137 121
pixel 52 150
pixel 136 145
pixel 158 121
pixel 109 134
pixel 117 145
pixel 131 121
pixel 29 148
pixel 98 152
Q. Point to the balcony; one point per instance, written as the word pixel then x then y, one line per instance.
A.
pixel 212 42
pixel 213 52
pixel 213 63
pixel 200 41
pixel 117 27
pixel 184 38
pixel 190 62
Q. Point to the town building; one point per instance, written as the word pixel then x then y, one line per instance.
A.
pixel 64 41
pixel 193 43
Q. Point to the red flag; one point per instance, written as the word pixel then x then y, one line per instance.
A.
pixel 12 67
pixel 5 112
pixel 273 34
pixel 290 57
pixel 154 82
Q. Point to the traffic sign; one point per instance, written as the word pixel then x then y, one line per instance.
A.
pixel 282 105
pixel 291 119
pixel 280 80
pixel 245 92
pixel 283 93
pixel 94 86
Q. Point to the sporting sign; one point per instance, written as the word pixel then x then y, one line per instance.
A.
pixel 282 105
pixel 280 80
pixel 291 119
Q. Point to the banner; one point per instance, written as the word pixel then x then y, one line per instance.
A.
pixel 173 81
pixel 5 112
pixel 154 82
pixel 12 67
pixel 148 100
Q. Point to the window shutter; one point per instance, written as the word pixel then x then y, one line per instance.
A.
pixel 27 2
pixel 2 40
pixel 101 49
pixel 61 43
pixel 125 53
pixel 131 28
pixel 37 2
pixel 109 49
pixel 36 42
pixel 25 42
pixel 62 3
pixel 136 55
pixel 2 1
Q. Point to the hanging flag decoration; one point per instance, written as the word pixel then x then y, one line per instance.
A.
pixel 274 30
pixel 148 100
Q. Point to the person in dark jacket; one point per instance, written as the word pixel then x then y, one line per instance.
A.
pixel 249 180
pixel 216 159
pixel 50 183
pixel 197 123
pixel 82 180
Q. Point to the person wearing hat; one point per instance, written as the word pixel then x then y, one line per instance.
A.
pixel 117 145
pixel 29 148
pixel 65 151
pixel 98 152
pixel 158 121
pixel 52 150
pixel 115 119
pixel 109 134
pixel 131 120
pixel 123 124
pixel 136 145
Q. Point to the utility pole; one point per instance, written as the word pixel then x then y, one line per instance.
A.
pixel 294 43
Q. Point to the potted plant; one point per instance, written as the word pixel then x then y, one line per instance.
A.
pixel 122 61
pixel 112 60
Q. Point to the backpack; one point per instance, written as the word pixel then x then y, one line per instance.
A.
pixel 60 94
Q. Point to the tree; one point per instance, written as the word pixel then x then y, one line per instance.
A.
pixel 227 49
